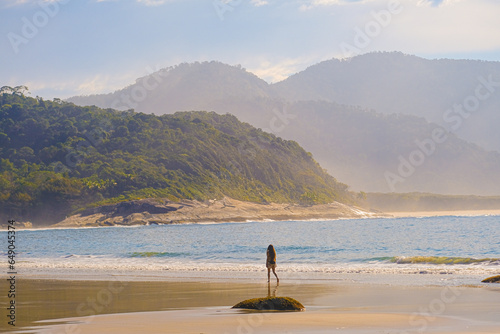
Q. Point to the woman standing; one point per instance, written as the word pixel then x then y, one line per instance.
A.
pixel 271 262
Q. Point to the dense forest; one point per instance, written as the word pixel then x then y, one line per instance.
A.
pixel 57 158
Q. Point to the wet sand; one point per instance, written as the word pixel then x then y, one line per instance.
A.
pixel 121 305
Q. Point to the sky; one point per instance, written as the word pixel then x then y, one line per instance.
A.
pixel 62 48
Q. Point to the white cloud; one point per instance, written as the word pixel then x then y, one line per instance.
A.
pixel 317 3
pixel 65 88
pixel 12 3
pixel 259 3
pixel 278 70
pixel 152 2
pixel 17 2
pixel 98 83
pixel 460 27
pixel 422 27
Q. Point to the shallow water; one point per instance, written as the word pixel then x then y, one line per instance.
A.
pixel 440 245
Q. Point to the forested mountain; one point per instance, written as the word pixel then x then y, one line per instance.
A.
pixel 57 157
pixel 358 117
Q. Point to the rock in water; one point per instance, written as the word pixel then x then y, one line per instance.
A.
pixel 494 279
pixel 271 304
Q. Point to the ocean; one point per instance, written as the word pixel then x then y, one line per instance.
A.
pixel 447 246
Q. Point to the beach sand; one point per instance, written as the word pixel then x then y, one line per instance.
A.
pixel 196 305
pixel 466 213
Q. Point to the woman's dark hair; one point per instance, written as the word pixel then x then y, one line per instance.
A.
pixel 272 252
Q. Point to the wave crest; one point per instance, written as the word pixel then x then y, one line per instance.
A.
pixel 156 254
pixel 443 260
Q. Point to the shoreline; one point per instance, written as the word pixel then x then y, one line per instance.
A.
pixel 412 275
pixel 77 221
pixel 159 212
pixel 204 305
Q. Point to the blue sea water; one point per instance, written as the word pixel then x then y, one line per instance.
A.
pixel 470 244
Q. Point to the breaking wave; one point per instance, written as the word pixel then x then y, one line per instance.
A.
pixel 442 260
pixel 156 254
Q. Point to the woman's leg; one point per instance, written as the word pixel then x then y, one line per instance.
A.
pixel 274 272
pixel 268 274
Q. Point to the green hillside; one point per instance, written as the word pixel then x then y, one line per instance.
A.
pixel 57 158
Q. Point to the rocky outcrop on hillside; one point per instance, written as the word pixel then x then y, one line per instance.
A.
pixel 154 211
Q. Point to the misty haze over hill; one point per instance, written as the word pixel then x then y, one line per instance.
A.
pixel 397 83
pixel 378 122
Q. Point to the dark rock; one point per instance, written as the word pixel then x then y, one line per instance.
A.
pixel 271 304
pixel 494 279
pixel 130 207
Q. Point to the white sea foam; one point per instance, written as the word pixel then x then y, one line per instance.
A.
pixel 93 263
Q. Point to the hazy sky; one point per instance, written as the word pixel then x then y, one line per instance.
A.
pixel 71 47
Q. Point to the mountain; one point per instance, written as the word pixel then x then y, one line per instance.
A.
pixel 463 96
pixel 195 86
pixel 56 157
pixel 362 119
pixel 376 152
